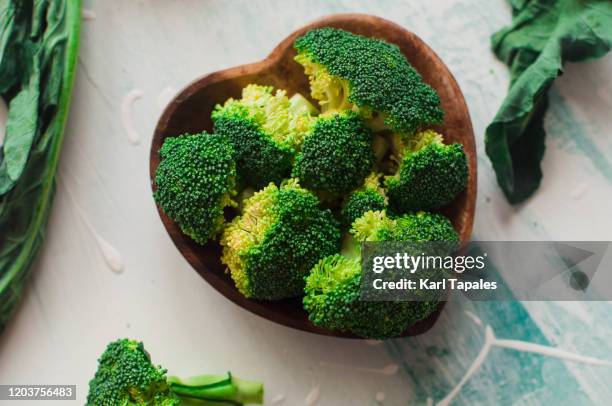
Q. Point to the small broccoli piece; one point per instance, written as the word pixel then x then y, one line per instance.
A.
pixel 195 181
pixel 369 197
pixel 424 227
pixel 259 159
pixel 265 129
pixel 430 173
pixel 285 120
pixel 336 155
pixel 333 288
pixel 280 235
pixel 416 227
pixel 421 227
pixel 332 300
pixel 349 71
pixel 126 376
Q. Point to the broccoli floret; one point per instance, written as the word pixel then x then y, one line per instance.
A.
pixel 336 155
pixel 259 160
pixel 414 227
pixel 195 181
pixel 369 197
pixel 265 129
pixel 421 227
pixel 332 300
pixel 126 376
pixel 349 71
pixel 280 235
pixel 333 288
pixel 430 173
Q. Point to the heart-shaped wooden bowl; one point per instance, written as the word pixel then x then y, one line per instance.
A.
pixel 189 112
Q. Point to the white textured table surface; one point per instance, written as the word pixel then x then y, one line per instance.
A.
pixel 75 305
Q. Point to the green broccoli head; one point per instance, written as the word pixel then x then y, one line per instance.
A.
pixel 127 377
pixel 423 227
pixel 336 155
pixel 430 173
pixel 265 129
pixel 195 181
pixel 369 197
pixel 332 300
pixel 280 235
pixel 434 232
pixel 349 71
pixel 333 288
pixel 415 227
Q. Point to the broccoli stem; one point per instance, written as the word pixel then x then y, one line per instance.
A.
pixel 299 104
pixel 216 389
pixel 337 98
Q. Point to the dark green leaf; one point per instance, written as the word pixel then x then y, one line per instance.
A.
pixel 7 21
pixel 21 128
pixel 38 17
pixel 543 35
pixel 7 51
pixel 38 97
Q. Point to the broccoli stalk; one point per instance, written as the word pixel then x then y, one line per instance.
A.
pixel 333 288
pixel 430 173
pixel 368 75
pixel 225 389
pixel 301 107
pixel 126 376
pixel 331 91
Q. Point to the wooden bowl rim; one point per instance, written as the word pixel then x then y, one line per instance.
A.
pixel 277 54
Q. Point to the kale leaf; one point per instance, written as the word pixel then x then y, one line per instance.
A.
pixel 543 35
pixel 38 52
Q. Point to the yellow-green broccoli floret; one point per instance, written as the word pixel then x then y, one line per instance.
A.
pixel 369 197
pixel 369 75
pixel 415 227
pixel 126 376
pixel 281 233
pixel 433 232
pixel 333 301
pixel 336 155
pixel 333 288
pixel 430 173
pixel 195 181
pixel 266 128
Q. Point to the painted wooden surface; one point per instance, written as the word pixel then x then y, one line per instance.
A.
pixel 75 304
